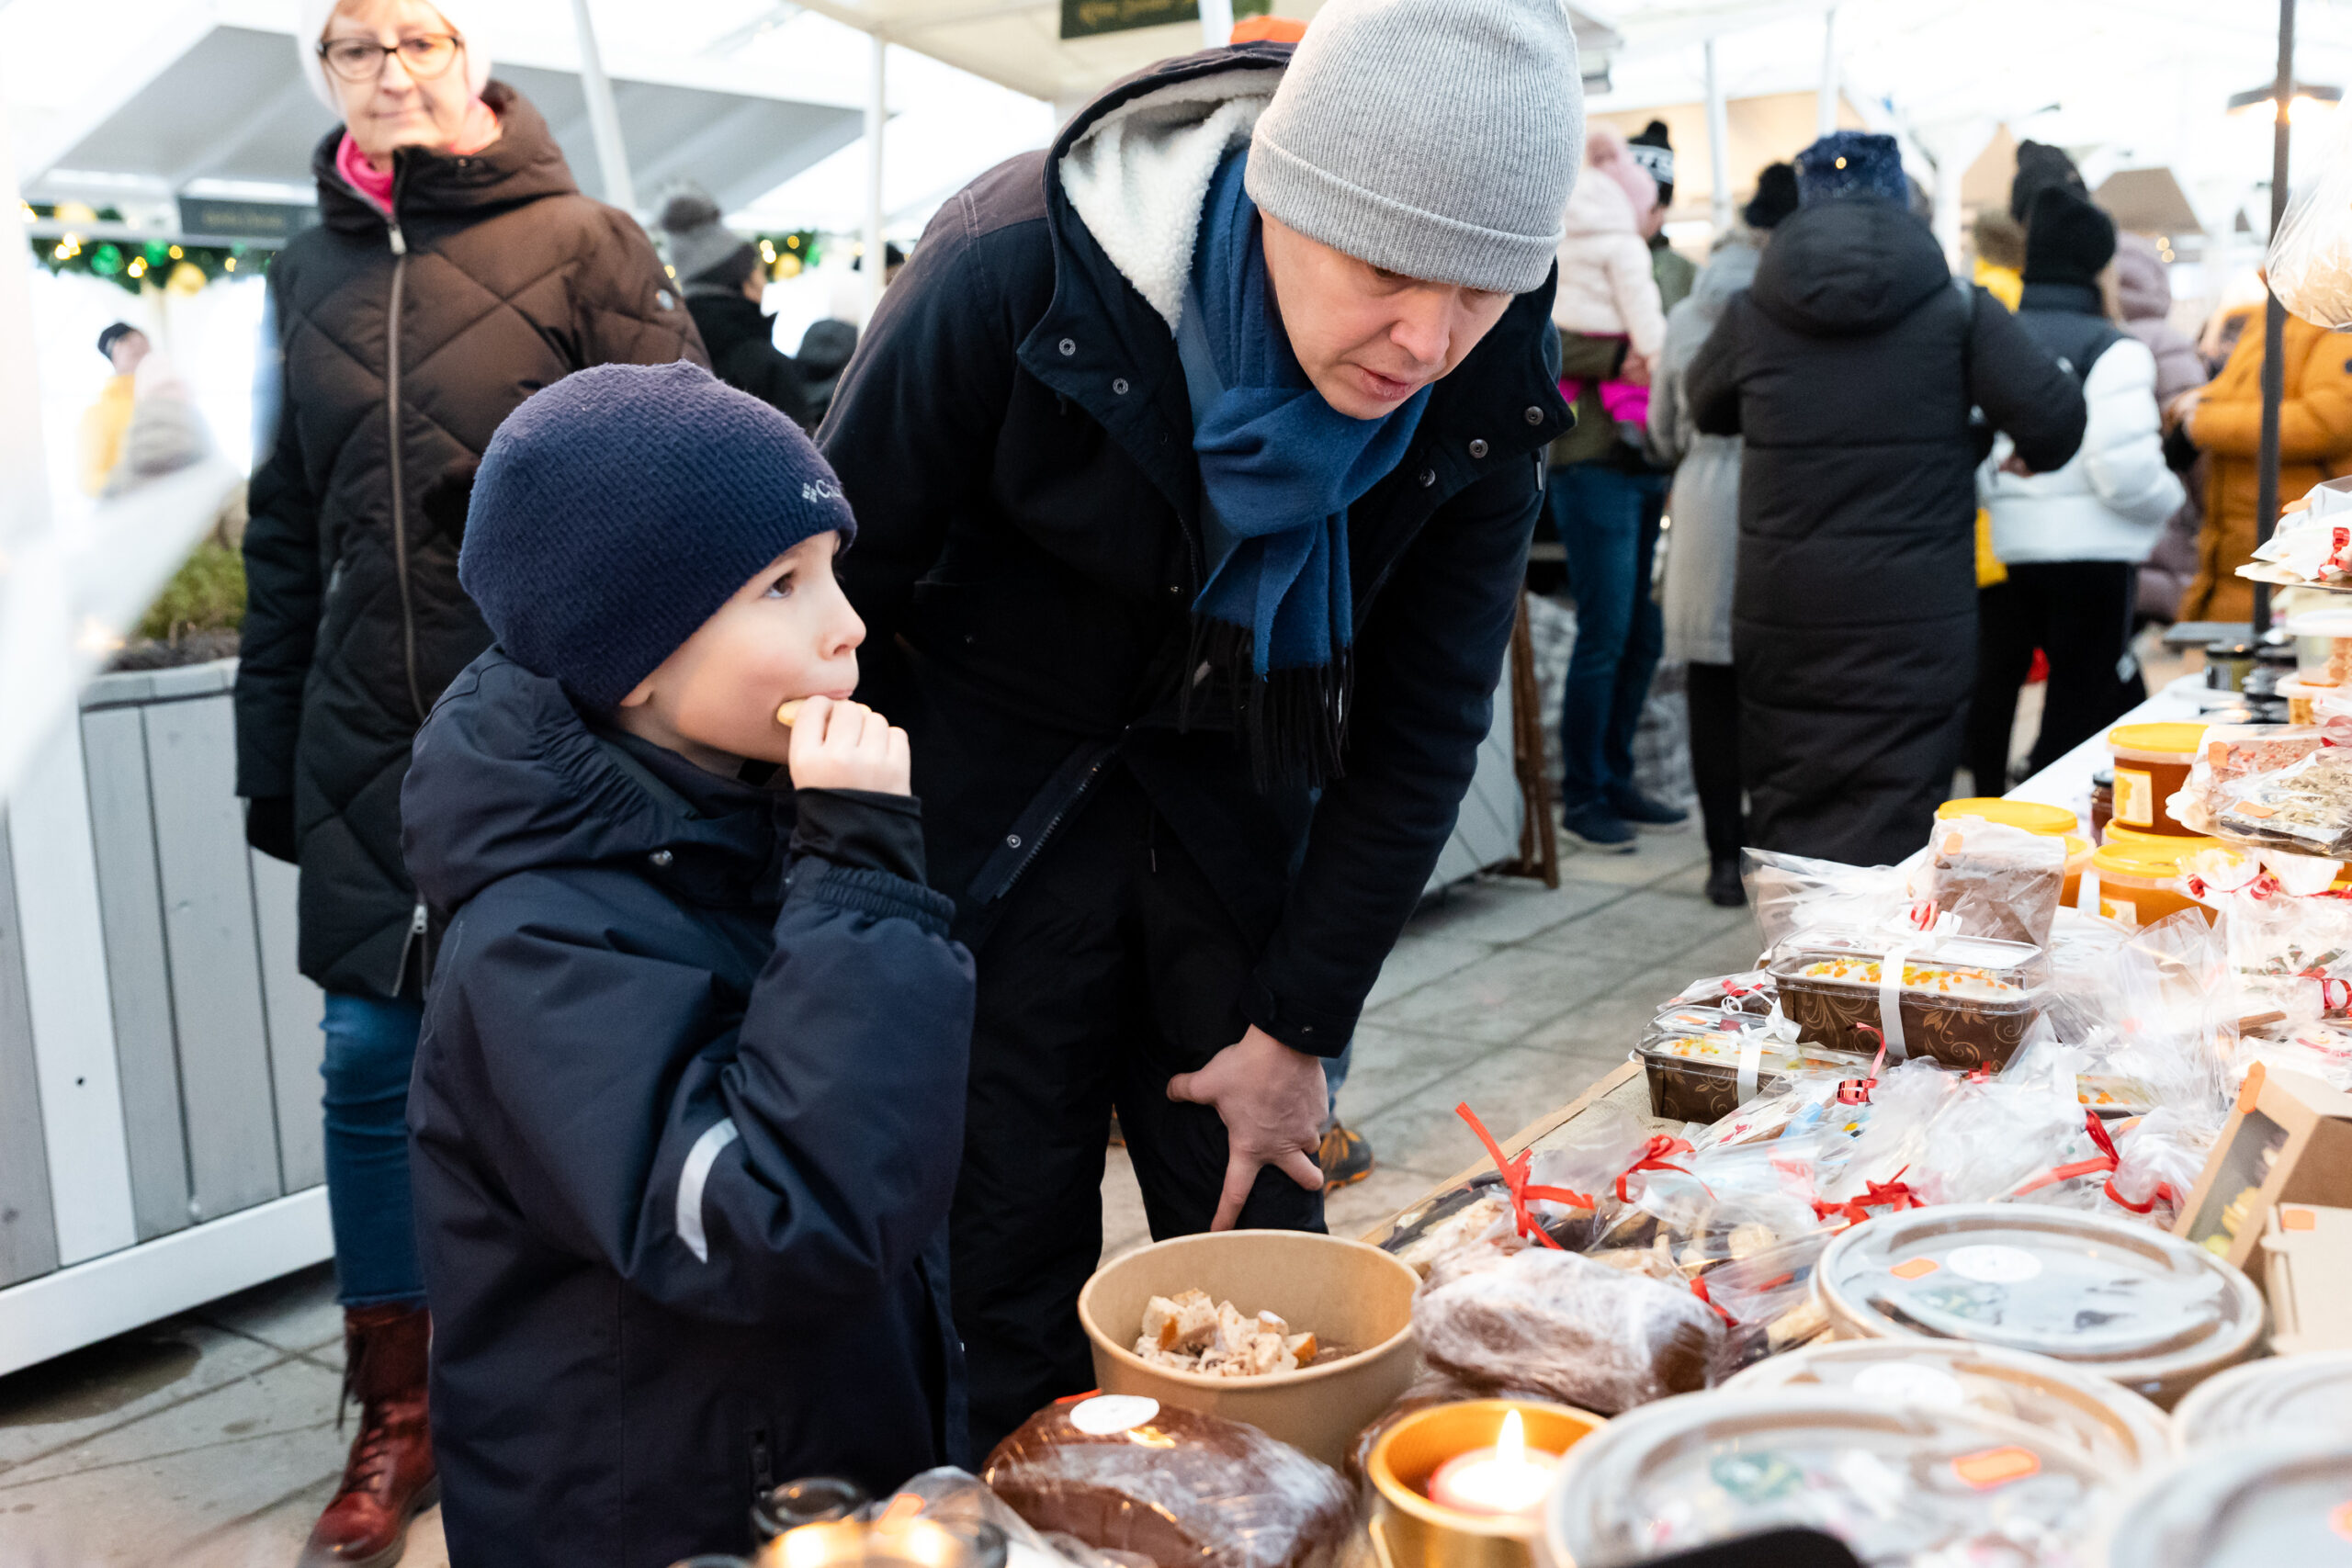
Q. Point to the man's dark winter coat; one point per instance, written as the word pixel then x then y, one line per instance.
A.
pixel 402 348
pixel 740 339
pixel 1016 437
pixel 1850 368
pixel 684 1128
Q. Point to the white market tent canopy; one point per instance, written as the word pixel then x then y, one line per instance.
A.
pixel 233 112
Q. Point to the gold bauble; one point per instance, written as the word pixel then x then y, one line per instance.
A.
pixel 787 267
pixel 187 280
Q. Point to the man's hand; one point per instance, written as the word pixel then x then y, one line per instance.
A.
pixel 843 745
pixel 1636 371
pixel 1272 1101
pixel 2183 409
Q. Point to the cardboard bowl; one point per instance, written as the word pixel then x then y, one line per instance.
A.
pixel 1350 1294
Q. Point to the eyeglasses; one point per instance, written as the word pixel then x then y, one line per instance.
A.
pixel 424 56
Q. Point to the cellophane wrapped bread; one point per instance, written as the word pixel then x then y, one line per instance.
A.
pixel 1600 1339
pixel 1126 1474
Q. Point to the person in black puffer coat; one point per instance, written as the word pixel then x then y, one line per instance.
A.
pixel 725 281
pixel 1850 368
pixel 456 270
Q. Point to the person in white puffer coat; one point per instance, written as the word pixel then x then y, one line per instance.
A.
pixel 2073 539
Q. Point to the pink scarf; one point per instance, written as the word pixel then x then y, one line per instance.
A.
pixel 375 185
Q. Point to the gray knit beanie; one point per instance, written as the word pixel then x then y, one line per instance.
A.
pixel 1438 139
pixel 702 249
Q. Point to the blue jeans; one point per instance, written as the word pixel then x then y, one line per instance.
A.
pixel 1335 1075
pixel 371 1047
pixel 1608 523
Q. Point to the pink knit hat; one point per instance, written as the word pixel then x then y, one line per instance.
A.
pixel 1606 150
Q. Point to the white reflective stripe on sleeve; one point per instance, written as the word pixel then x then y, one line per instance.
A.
pixel 696 1170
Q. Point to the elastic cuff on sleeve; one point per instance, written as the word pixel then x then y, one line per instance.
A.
pixel 876 893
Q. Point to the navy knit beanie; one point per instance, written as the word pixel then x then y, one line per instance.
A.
pixel 618 509
pixel 1847 164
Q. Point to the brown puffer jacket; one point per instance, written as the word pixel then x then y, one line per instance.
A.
pixel 2315 443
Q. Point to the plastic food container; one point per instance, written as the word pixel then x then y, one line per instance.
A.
pixel 2152 761
pixel 2139 883
pixel 2283 1396
pixel 2030 815
pixel 1351 1295
pixel 2267 1505
pixel 1897 1483
pixel 1701 1065
pixel 2108 1423
pixel 2079 851
pixel 1967 1001
pixel 2156 1313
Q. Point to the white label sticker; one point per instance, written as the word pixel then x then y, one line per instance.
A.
pixel 1992 1265
pixel 1905 1383
pixel 1109 1413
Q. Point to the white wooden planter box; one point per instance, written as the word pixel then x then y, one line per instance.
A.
pixel 160 1140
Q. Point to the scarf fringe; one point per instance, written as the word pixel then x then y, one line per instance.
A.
pixel 1295 722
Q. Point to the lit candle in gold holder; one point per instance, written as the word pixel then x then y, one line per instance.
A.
pixel 1462 1485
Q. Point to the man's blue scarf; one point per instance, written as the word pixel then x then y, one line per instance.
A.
pixel 1279 469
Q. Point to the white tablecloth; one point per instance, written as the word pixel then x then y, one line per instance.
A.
pixel 2068 780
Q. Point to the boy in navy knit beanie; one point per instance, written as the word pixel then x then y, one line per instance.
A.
pixel 689 1100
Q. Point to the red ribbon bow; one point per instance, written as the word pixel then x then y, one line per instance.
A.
pixel 1895 1195
pixel 2339 998
pixel 1653 1157
pixel 2106 1159
pixel 1514 1174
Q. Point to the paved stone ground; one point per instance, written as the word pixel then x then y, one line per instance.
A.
pixel 209 1440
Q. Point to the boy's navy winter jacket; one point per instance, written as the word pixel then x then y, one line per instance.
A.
pixel 685 1122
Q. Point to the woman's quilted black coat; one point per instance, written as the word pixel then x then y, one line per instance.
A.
pixel 402 343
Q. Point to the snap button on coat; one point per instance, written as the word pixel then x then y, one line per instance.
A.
pixel 1477 448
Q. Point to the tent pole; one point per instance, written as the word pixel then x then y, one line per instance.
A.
pixel 878 251
pixel 1718 146
pixel 604 117
pixel 1825 116
pixel 2274 314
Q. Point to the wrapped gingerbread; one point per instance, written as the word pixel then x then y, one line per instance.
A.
pixel 1600 1339
pixel 1125 1473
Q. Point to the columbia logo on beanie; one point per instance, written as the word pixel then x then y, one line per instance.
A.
pixel 618 509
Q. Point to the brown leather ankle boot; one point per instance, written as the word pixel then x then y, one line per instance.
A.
pixel 390 1478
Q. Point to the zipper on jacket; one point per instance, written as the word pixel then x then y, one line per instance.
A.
pixel 393 414
pixel 408 945
pixel 1037 845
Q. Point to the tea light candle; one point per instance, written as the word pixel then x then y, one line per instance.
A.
pixel 1508 1478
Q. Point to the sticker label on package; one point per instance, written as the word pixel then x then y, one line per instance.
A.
pixel 1910 1384
pixel 2340 1521
pixel 1914 1267
pixel 1996 1467
pixel 1109 1413
pixel 2135 798
pixel 1992 1265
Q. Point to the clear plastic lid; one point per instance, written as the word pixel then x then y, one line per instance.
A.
pixel 1967 968
pixel 2118 1298
pixel 1897 1483
pixel 2101 1418
pixel 1706 1034
pixel 2264 1505
pixel 2283 1396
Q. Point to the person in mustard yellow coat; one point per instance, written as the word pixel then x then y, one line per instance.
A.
pixel 2224 419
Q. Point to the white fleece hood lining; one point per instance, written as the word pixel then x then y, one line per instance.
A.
pixel 1139 176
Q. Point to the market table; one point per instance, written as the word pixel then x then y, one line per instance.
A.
pixel 2066 782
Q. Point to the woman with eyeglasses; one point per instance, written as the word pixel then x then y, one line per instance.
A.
pixel 455 270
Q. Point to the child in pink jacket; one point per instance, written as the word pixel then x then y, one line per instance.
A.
pixel 1606 287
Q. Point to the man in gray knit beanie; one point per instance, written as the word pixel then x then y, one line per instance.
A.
pixel 1195 462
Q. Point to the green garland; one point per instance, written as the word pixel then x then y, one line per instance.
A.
pixel 134 265
pixel 803 245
